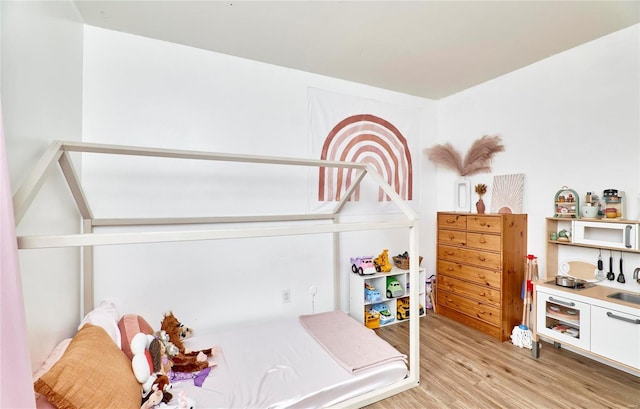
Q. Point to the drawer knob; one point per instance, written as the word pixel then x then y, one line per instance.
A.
pixel 483 240
pixel 482 258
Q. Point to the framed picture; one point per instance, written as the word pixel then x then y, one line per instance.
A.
pixel 507 193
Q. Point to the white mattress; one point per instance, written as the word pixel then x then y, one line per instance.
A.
pixel 278 365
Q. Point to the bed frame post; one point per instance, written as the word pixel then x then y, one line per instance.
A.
pixel 414 322
pixel 86 280
pixel 337 274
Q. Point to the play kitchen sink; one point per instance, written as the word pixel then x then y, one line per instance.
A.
pixel 625 297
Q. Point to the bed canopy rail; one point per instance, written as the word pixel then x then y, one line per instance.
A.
pixel 60 152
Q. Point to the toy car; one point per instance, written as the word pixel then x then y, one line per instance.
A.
pixel 403 309
pixel 394 289
pixel 372 319
pixel 371 294
pixel 383 310
pixel 363 265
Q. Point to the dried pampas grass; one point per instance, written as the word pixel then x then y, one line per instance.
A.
pixel 477 160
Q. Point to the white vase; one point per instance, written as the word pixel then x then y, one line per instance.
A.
pixel 462 195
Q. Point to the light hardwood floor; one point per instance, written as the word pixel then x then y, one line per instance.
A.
pixel 464 368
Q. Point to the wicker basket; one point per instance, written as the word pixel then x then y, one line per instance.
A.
pixel 403 262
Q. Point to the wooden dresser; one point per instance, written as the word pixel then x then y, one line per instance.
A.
pixel 480 269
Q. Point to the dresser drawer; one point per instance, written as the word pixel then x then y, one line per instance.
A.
pixel 484 241
pixel 452 237
pixel 473 322
pixel 486 224
pixel 484 294
pixel 474 274
pixel 452 221
pixel 468 256
pixel 469 307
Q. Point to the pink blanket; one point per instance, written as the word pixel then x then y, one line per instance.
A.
pixel 351 344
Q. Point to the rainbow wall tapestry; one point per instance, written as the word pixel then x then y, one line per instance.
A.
pixel 366 138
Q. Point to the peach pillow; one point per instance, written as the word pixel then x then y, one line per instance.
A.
pixel 92 373
pixel 130 325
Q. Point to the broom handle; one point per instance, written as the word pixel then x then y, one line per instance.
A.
pixel 525 293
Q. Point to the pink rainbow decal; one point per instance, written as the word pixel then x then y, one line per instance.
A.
pixel 368 139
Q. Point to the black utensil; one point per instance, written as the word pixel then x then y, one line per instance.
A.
pixel 610 275
pixel 621 275
pixel 600 267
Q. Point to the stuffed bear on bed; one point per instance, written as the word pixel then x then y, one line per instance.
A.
pixel 183 361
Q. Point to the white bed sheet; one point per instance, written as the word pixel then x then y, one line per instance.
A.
pixel 278 365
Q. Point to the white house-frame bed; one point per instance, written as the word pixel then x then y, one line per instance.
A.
pixel 60 152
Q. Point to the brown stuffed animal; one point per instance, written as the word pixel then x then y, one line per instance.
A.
pixel 184 361
pixel 162 384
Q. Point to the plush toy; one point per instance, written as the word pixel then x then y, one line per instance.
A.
pixel 170 348
pixel 183 361
pixel 382 262
pixel 147 366
pixel 153 400
pixel 142 362
pixel 161 362
pixel 163 385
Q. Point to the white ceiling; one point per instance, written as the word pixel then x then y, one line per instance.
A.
pixel 426 48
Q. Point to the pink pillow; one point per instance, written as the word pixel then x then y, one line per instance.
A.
pixel 130 325
pixel 43 403
pixel 53 357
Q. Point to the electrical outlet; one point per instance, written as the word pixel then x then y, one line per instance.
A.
pixel 286 296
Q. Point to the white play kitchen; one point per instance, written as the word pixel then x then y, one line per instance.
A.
pixel 590 300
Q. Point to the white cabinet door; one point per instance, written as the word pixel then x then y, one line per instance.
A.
pixel 616 335
pixel 563 319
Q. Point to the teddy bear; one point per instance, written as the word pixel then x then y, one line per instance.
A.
pixel 183 361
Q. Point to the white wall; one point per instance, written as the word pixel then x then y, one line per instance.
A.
pixel 41 79
pixel 139 91
pixel 572 119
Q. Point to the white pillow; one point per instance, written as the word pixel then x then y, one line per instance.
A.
pixel 105 316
